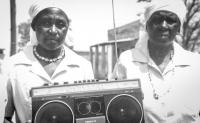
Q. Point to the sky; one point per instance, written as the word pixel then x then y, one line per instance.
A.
pixel 91 19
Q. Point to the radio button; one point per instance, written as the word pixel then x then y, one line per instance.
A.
pixel 65 83
pixel 46 84
pixel 55 83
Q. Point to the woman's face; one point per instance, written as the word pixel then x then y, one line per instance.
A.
pixel 162 27
pixel 51 26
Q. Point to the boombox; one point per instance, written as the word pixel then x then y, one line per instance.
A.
pixel 91 101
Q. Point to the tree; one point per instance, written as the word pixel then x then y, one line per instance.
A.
pixel 23 32
pixel 13 27
pixel 190 36
pixel 191 26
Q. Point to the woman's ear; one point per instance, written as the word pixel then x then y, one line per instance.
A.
pixel 33 25
pixel 178 32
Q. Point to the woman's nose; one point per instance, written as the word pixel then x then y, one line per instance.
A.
pixel 53 29
pixel 164 25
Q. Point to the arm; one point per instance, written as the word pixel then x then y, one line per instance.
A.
pixel 9 109
pixel 119 71
pixel 87 69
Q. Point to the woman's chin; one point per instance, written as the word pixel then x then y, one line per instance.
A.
pixel 52 45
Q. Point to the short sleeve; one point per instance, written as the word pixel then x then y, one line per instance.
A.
pixel 119 71
pixel 87 69
pixel 9 109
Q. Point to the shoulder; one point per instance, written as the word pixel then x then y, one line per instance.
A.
pixel 76 57
pixel 134 54
pixel 185 57
pixel 20 57
pixel 9 62
pixel 83 60
pixel 126 55
pixel 192 58
pixel 195 60
pixel 127 59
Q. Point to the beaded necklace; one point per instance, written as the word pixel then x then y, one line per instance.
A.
pixel 155 95
pixel 62 54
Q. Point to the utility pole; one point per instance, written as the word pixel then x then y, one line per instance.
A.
pixel 13 27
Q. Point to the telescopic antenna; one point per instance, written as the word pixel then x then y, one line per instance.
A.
pixel 114 31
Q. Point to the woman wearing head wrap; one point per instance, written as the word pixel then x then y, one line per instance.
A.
pixel 45 60
pixel 169 74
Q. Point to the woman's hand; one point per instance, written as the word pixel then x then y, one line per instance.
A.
pixel 154 112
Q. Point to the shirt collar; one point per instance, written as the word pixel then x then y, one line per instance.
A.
pixel 27 57
pixel 71 58
pixel 141 52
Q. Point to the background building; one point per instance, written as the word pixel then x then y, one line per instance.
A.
pixel 103 56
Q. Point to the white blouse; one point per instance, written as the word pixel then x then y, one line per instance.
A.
pixel 25 71
pixel 179 89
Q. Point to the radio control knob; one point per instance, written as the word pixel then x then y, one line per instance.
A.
pixel 106 79
pixel 97 80
pixel 84 81
pixel 55 83
pixel 88 80
pixel 75 82
pixel 79 81
pixel 65 83
pixel 93 80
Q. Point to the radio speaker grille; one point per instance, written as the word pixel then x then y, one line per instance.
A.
pixel 54 112
pixel 124 109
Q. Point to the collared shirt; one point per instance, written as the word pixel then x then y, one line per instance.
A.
pixel 178 86
pixel 26 72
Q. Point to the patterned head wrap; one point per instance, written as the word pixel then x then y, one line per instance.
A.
pixel 176 6
pixel 34 10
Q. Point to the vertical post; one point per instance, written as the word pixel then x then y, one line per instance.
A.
pixel 111 57
pixel 103 62
pixel 114 30
pixel 13 27
pixel 91 57
pixel 114 57
pixel 96 62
